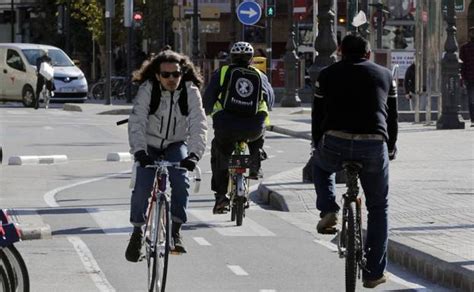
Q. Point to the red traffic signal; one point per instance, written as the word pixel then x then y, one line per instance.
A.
pixel 137 16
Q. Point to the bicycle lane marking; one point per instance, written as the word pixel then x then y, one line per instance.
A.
pixel 49 197
pixel 90 264
pixel 84 253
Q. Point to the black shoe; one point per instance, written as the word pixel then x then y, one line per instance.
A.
pixel 178 244
pixel 177 239
pixel 222 202
pixel 132 254
pixel 255 173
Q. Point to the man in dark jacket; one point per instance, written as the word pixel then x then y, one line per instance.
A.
pixel 356 121
pixel 466 54
pixel 231 127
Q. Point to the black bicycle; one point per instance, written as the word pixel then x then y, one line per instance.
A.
pixel 157 229
pixel 13 272
pixel 350 244
pixel 118 86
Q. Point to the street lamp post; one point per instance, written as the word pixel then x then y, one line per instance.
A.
pixel 450 117
pixel 195 30
pixel 291 60
pixel 326 45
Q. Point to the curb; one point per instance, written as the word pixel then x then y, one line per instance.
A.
pixel 34 159
pixel 431 268
pixel 31 225
pixel 296 134
pixel 72 107
pixel 122 111
pixel 119 156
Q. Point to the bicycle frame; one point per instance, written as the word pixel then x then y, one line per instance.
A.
pixel 157 228
pixel 238 183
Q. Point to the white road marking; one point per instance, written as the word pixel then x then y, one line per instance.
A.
pixel 280 151
pixel 49 196
pixel 267 290
pixel 271 156
pixel 18 112
pixel 225 227
pixel 237 270
pixel 112 222
pixel 201 241
pixel 326 244
pixel 92 268
pixel 47 128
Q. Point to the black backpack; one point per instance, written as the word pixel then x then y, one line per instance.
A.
pixel 241 90
pixel 156 98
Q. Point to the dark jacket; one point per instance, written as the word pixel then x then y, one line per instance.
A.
pixel 466 54
pixel 357 97
pixel 409 81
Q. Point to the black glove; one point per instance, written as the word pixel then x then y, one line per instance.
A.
pixel 143 158
pixel 392 153
pixel 189 162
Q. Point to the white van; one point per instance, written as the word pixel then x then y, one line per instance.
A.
pixel 18 74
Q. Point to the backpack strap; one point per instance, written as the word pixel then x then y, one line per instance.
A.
pixel 183 99
pixel 156 98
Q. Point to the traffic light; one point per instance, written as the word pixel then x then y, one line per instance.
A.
pixel 137 19
pixel 270 8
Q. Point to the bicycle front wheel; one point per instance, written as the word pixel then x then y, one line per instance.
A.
pixel 21 279
pixel 159 247
pixel 351 248
pixel 7 275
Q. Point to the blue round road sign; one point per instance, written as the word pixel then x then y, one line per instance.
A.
pixel 249 12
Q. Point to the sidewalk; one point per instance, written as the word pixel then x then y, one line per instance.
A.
pixel 431 194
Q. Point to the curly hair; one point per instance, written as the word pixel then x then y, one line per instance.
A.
pixel 152 66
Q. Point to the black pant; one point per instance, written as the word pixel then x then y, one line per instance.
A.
pixel 221 149
pixel 470 98
pixel 39 85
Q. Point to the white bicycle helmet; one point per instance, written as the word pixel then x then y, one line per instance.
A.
pixel 242 48
pixel 241 52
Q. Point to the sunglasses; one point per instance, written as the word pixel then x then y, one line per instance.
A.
pixel 175 74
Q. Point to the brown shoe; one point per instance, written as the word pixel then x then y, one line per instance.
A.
pixel 328 222
pixel 376 282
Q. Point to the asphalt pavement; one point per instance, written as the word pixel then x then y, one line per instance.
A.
pixel 431 199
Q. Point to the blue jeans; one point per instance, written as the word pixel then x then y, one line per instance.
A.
pixel 179 182
pixel 373 155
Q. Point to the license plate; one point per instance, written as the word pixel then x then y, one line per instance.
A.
pixel 67 89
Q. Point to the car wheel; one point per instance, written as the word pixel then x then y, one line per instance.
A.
pixel 28 96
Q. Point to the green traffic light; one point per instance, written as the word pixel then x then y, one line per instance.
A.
pixel 270 11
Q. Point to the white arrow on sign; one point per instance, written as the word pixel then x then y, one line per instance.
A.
pixel 251 12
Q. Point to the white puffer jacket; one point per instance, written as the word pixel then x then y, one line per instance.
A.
pixel 167 125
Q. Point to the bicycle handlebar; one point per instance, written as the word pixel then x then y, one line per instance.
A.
pixel 197 171
pixel 122 122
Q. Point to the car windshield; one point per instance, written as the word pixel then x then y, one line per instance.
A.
pixel 58 57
